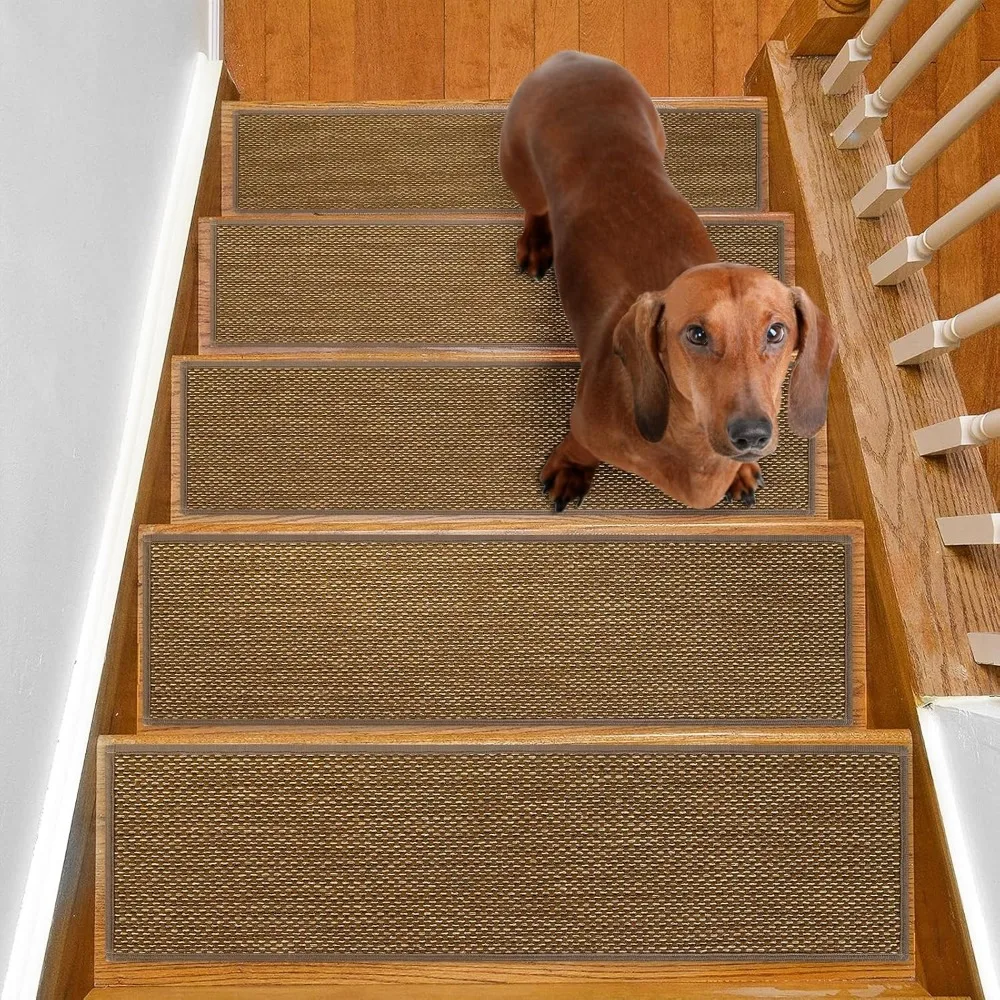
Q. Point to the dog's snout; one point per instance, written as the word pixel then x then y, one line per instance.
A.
pixel 749 433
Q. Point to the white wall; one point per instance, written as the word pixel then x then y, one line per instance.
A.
pixel 92 95
pixel 962 736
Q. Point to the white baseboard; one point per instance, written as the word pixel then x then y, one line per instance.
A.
pixel 215 30
pixel 38 903
pixel 971 887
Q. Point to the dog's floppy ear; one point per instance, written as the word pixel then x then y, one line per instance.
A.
pixel 810 383
pixel 636 342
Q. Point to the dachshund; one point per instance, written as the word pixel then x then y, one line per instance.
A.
pixel 682 358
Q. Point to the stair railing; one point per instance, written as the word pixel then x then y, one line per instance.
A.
pixel 887 187
pixel 892 182
pixel 865 118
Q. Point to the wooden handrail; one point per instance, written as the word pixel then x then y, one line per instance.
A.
pixel 820 27
pixel 914 253
pixel 892 182
pixel 851 61
pixel 943 335
pixel 957 433
pixel 864 119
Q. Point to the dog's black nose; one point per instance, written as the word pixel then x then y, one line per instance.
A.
pixel 751 434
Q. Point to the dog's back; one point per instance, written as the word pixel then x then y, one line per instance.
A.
pixel 583 144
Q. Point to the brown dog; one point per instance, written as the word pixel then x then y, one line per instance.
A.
pixel 682 358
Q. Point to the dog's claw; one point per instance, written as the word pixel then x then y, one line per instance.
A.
pixel 560 505
pixel 547 484
pixel 749 500
pixel 728 497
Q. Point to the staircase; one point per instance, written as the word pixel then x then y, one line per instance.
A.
pixel 404 732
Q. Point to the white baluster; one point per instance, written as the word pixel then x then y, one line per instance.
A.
pixel 852 60
pixel 958 433
pixel 910 255
pixel 943 335
pixel 893 181
pixel 970 529
pixel 864 119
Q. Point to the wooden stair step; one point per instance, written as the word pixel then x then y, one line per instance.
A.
pixel 293 283
pixel 409 433
pixel 780 989
pixel 443 157
pixel 554 854
pixel 674 624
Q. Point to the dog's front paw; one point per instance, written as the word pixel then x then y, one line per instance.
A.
pixel 566 484
pixel 534 246
pixel 743 488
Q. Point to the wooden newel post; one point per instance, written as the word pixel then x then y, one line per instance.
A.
pixel 820 27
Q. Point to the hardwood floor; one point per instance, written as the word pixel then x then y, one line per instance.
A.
pixel 346 50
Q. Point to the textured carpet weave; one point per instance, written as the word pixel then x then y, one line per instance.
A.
pixel 322 437
pixel 413 158
pixel 295 852
pixel 321 284
pixel 721 629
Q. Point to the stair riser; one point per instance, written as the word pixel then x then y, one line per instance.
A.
pixel 445 158
pixel 268 283
pixel 793 849
pixel 681 626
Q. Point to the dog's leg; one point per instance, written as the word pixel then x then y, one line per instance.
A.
pixel 747 481
pixel 534 246
pixel 568 473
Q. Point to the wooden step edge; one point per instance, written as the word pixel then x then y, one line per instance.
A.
pixel 556 735
pixel 758 987
pixel 231 107
pixel 209 227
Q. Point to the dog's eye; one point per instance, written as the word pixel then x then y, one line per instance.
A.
pixel 696 334
pixel 775 333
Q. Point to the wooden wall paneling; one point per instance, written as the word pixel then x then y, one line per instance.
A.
pixel 734 31
pixel 690 48
pixel 602 28
pixel 467 50
pixel 286 50
pixel 647 43
pixel 987 343
pixel 512 44
pixel 959 173
pixel 916 17
pixel 399 50
pixel 243 44
pixel 331 50
pixel 989 32
pixel 769 14
pixel 557 27
pixel 914 114
pixel 68 972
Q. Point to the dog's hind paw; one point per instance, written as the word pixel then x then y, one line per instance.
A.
pixel 534 246
pixel 743 489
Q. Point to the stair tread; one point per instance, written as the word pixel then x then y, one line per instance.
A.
pixel 674 848
pixel 407 157
pixel 679 624
pixel 261 436
pixel 272 282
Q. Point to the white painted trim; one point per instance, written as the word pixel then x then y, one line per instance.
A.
pixel 958 849
pixel 38 903
pixel 216 34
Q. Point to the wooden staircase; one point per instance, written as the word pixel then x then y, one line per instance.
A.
pixel 405 733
